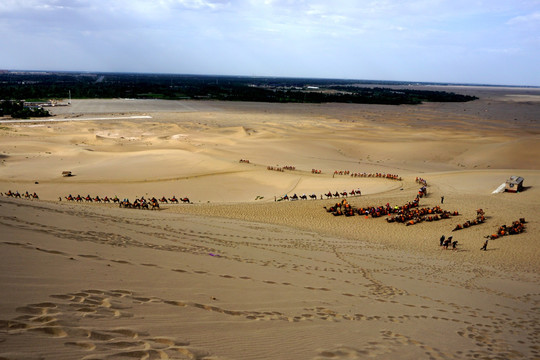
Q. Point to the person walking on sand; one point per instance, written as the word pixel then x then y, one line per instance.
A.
pixel 441 240
pixel 442 199
pixel 485 246
pixel 447 242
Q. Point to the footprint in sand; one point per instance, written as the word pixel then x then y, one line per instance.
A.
pixel 61 319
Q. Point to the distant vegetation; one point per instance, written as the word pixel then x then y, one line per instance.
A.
pixel 27 85
pixel 17 110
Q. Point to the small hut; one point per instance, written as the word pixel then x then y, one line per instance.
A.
pixel 514 184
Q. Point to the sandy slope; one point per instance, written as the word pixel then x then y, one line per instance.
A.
pixel 237 275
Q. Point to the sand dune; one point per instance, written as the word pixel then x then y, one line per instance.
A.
pixel 238 275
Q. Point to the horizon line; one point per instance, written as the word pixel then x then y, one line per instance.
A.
pixel 366 81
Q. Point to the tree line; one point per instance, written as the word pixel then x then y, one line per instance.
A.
pixel 17 110
pixel 46 86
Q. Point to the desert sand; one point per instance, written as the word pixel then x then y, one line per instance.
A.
pixel 235 274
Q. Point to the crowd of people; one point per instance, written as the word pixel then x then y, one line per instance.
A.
pixel 445 243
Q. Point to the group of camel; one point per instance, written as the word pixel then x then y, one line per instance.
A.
pixel 88 198
pixel 280 168
pixel 275 168
pixel 408 214
pixel 328 195
pixel 244 161
pixel 419 180
pixel 416 216
pixel 368 175
pixel 141 203
pixel 296 197
pixel 341 172
pixel 422 191
pixel 153 202
pixel 16 194
pixel 353 192
pixel 344 208
pixel 377 175
pixel 480 219
pixel 517 227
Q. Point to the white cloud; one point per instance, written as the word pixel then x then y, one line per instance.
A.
pixel 532 19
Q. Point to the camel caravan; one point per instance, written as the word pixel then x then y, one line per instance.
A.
pixel 328 195
pixel 139 203
pixel 281 168
pixel 421 181
pixel 376 175
pixel 296 197
pixel 16 194
pixel 368 175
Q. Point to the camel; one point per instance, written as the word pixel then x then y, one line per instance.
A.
pixel 106 199
pixel 115 199
pixel 79 198
pixel 88 198
pixel 35 196
pixel 70 198
pixel 303 197
pixel 154 205
pixel 344 194
pixel 97 199
pixel 125 203
pixel 313 196
pixel 174 200
pixel 185 200
pixel 163 200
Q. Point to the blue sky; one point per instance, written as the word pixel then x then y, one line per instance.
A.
pixel 458 41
